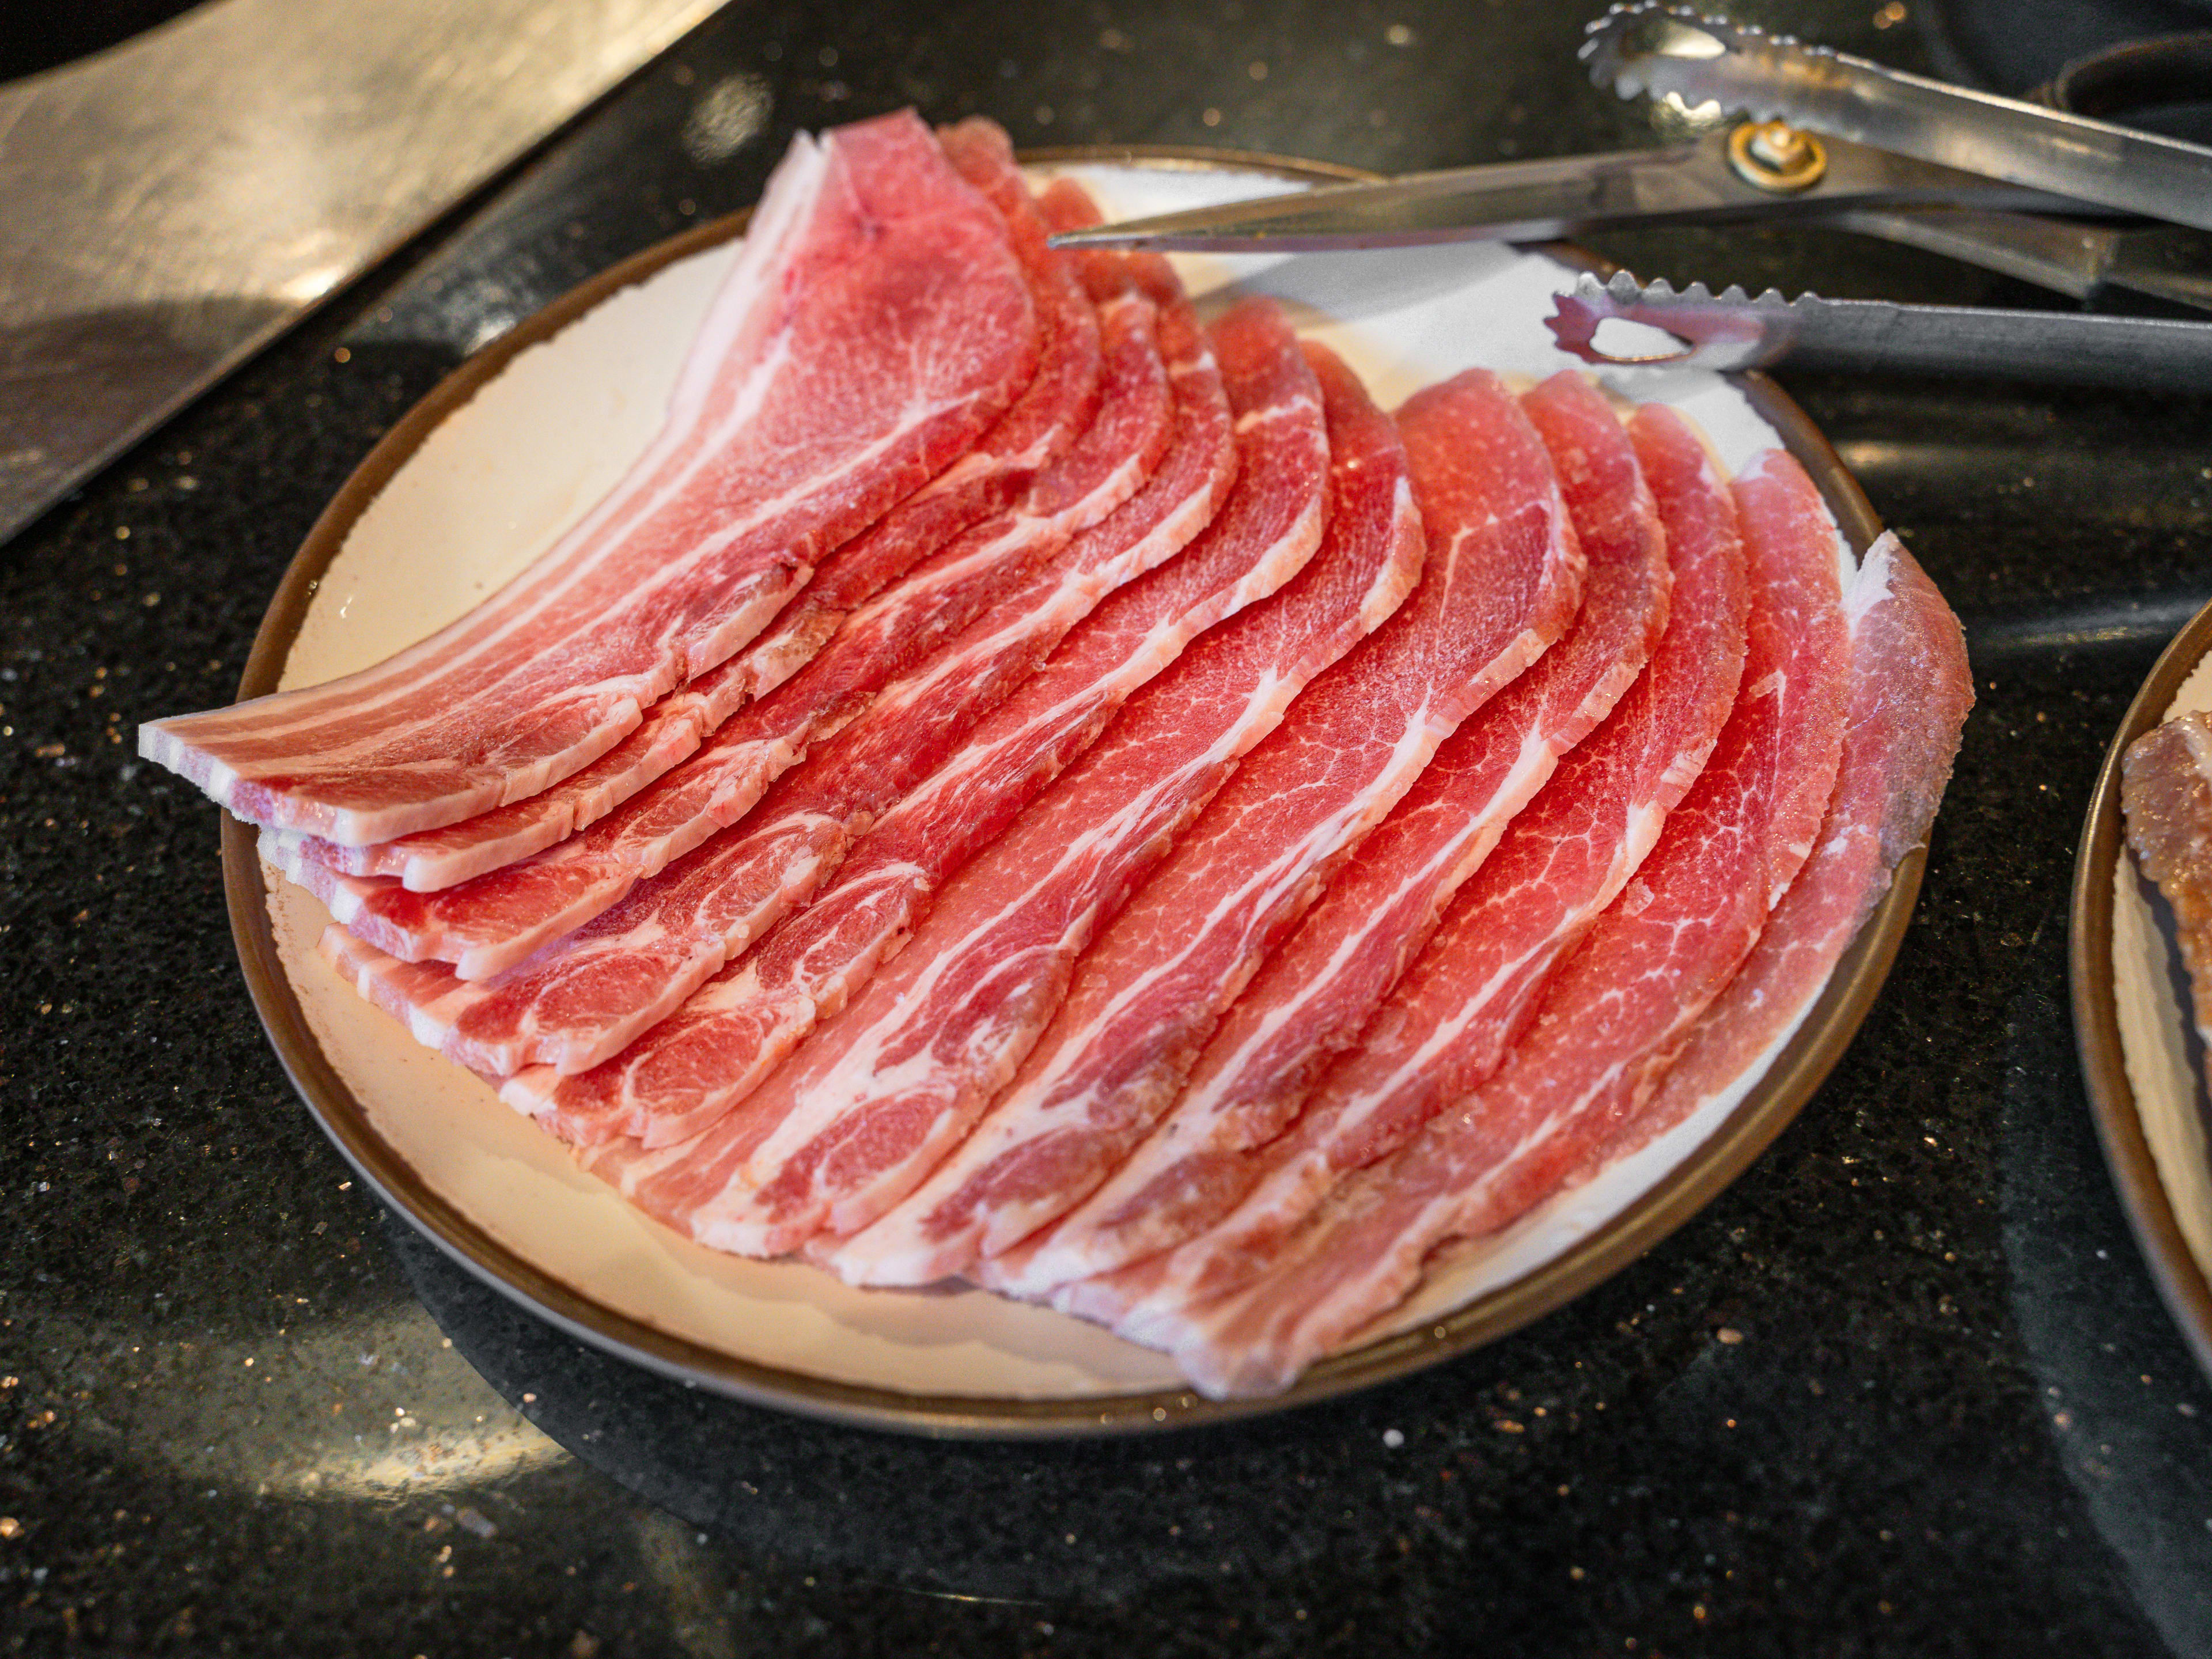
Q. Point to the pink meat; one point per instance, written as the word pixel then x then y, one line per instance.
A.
pixel 1309 999
pixel 856 1116
pixel 1068 1140
pixel 875 324
pixel 1446 1025
pixel 430 860
pixel 1060 403
pixel 712 1053
pixel 1910 693
pixel 1620 1007
pixel 488 925
pixel 592 994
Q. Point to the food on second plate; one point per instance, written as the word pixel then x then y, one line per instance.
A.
pixel 2167 805
pixel 1176 897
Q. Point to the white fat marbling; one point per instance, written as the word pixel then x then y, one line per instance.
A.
pixel 495 484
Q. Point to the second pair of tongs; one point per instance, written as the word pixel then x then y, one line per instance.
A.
pixel 1992 180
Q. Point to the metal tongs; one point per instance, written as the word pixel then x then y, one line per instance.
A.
pixel 1998 182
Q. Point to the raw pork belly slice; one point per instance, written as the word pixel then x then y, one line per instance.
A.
pixel 592 994
pixel 1910 693
pixel 854 1117
pixel 430 860
pixel 1502 580
pixel 1058 405
pixel 712 1053
pixel 875 324
pixel 1308 1001
pixel 488 925
pixel 1446 1025
pixel 1619 1009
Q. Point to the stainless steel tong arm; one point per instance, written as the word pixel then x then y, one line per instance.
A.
pixel 1565 195
pixel 1704 63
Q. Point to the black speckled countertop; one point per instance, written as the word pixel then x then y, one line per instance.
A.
pixel 1905 1389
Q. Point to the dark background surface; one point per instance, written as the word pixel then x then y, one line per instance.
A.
pixel 1905 1389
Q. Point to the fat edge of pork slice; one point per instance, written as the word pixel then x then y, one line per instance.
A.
pixel 754 477
pixel 1620 1006
pixel 1309 999
pixel 1446 1025
pixel 589 995
pixel 712 1053
pixel 1058 405
pixel 882 328
pixel 1503 580
pixel 861 1110
pixel 492 921
pixel 1911 691
pixel 716 1050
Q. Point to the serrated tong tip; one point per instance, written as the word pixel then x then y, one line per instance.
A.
pixel 1706 329
pixel 1649 49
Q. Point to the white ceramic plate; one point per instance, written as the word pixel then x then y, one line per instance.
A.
pixel 490 468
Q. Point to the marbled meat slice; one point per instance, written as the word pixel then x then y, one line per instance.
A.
pixel 859 1111
pixel 1309 999
pixel 591 994
pixel 488 925
pixel 1619 1009
pixel 1067 1143
pixel 1446 1023
pixel 874 326
pixel 1060 403
pixel 1911 689
pixel 713 1052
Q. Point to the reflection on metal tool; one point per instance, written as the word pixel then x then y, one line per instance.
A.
pixel 1703 62
pixel 1721 179
pixel 1980 162
pixel 1732 332
pixel 173 205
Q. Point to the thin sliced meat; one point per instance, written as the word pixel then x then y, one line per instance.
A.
pixel 1309 999
pixel 1068 1140
pixel 1060 403
pixel 1620 1006
pixel 1446 1025
pixel 1910 690
pixel 875 325
pixel 590 996
pixel 489 924
pixel 714 1051
pixel 857 1114
pixel 430 860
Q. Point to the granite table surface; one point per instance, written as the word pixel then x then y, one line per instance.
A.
pixel 1905 1389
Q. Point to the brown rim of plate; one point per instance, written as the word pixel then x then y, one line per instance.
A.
pixel 2173 1266
pixel 1685 1189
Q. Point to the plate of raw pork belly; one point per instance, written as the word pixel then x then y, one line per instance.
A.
pixel 943 835
pixel 2142 972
